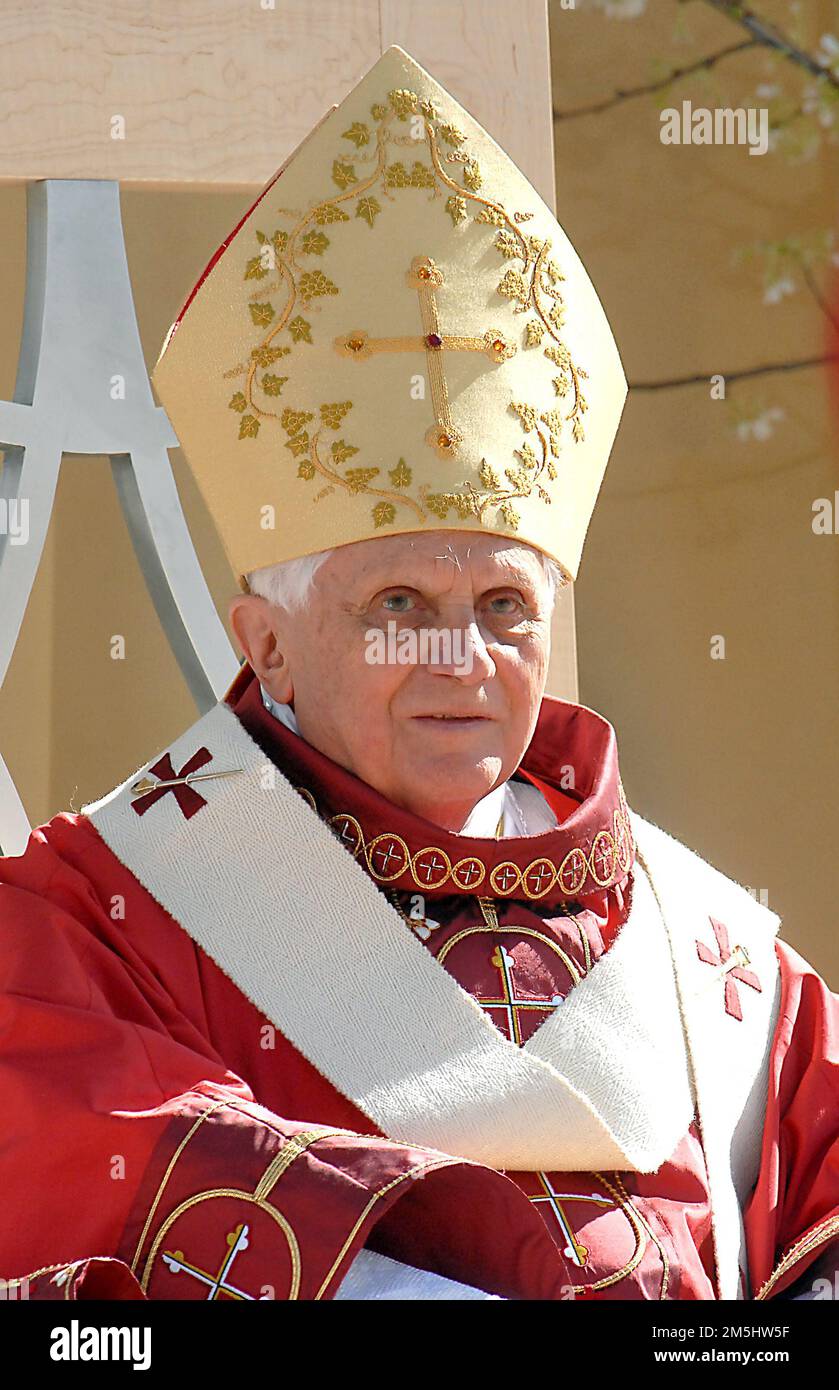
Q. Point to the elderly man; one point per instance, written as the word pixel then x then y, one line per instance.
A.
pixel 370 984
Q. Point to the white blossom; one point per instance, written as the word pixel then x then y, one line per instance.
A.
pixel 777 289
pixel 622 9
pixel 761 427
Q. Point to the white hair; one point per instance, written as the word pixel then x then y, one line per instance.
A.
pixel 290 583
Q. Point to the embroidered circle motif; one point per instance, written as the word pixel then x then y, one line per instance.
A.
pixel 307 796
pixel 538 878
pixel 468 873
pixel 623 842
pixel 602 863
pixel 388 856
pixel 431 866
pixel 573 870
pixel 348 830
pixel 505 877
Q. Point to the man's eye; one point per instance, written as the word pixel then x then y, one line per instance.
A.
pixel 398 603
pixel 505 606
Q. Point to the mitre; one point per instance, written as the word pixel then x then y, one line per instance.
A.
pixel 397 336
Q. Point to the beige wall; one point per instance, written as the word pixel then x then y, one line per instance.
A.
pixel 697 533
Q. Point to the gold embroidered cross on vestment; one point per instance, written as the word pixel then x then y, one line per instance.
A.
pixel 426 277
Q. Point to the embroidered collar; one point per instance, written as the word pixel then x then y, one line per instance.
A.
pixel 590 850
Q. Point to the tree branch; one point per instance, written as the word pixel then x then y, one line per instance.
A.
pixel 703 378
pixel 624 94
pixel 771 37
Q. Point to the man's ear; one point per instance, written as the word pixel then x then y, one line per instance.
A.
pixel 253 620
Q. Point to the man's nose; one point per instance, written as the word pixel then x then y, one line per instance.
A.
pixel 464 654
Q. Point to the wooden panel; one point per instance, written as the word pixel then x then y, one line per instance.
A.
pixel 211 93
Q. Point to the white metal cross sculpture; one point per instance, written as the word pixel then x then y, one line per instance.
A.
pixel 82 388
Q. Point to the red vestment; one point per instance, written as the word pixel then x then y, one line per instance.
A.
pixel 162 1138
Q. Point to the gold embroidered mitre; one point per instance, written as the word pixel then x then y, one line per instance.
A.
pixel 397 336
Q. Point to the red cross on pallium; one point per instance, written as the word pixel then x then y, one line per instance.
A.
pixel 746 977
pixel 187 797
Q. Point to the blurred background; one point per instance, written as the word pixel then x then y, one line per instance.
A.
pixel 707 614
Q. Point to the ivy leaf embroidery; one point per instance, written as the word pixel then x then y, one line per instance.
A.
pixel 306 469
pixel 513 286
pixel 238 401
pixel 456 208
pixel 472 176
pixel 299 444
pixel 341 451
pixel 314 244
pixel 248 427
pixel 272 385
pixel 451 135
pixel 369 209
pixel 401 475
pixel 261 314
pixel 300 330
pixel 343 174
pixel 256 269
pixel 383 514
pixel 359 133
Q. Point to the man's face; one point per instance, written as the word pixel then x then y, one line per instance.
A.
pixel 441 713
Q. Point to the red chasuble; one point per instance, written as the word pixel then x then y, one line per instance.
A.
pixel 163 1140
